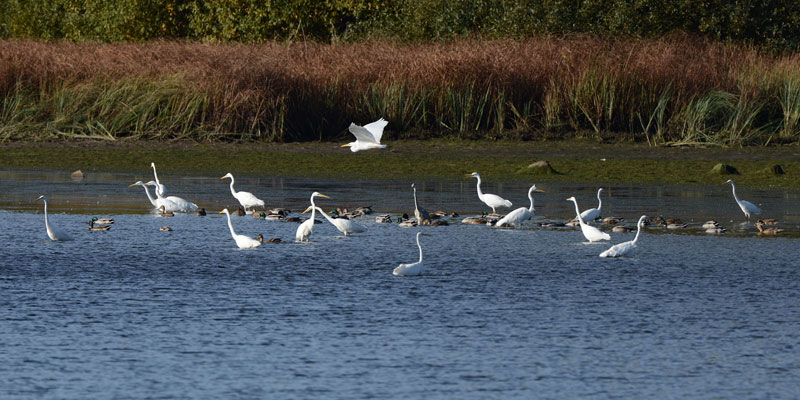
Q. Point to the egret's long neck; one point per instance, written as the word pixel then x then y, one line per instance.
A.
pixel 599 201
pixel 324 214
pixel 147 191
pixel 313 211
pixel 530 196
pixel 46 221
pixel 420 249
pixel 733 189
pixel 480 192
pixel 230 224
pixel 638 230
pixel 577 211
pixel 415 199
pixel 232 191
pixel 155 174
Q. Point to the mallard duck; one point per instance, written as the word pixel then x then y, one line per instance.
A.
pixel 364 210
pixel 552 224
pixel 93 227
pixel 109 221
pixel 475 220
pixel 612 220
pixel 280 211
pixel 715 230
pixel 383 219
pixel 240 211
pixel 770 221
pixel 165 229
pixel 164 212
pixel 572 222
pixel 766 231
pixel 292 219
pixel 621 229
pixel 201 212
pixel 710 224
pixel 406 222
pixel 273 217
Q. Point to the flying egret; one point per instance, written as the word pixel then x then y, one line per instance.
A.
pixel 173 203
pixel 624 248
pixel 520 215
pixel 243 241
pixel 593 213
pixel 591 233
pixel 161 190
pixel 420 213
pixel 367 136
pixel 491 200
pixel 344 225
pixel 413 268
pixel 246 199
pixel 304 230
pixel 746 206
pixel 53 232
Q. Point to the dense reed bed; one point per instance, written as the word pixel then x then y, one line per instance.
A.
pixel 678 90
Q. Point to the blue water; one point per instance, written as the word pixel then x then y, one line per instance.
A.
pixel 135 312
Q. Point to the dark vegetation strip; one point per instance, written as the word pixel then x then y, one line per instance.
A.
pixel 680 90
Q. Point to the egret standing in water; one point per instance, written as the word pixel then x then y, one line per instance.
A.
pixel 591 233
pixel 367 136
pixel 413 268
pixel 520 215
pixel 746 206
pixel 173 203
pixel 344 225
pixel 246 199
pixel 53 232
pixel 624 248
pixel 161 190
pixel 243 241
pixel 593 213
pixel 304 230
pixel 491 200
pixel 153 201
pixel 420 213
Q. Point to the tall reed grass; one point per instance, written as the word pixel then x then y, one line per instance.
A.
pixel 680 90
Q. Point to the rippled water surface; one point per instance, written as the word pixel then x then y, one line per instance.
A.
pixel 499 313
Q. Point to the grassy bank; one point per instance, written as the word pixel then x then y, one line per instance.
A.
pixel 680 90
pixel 577 162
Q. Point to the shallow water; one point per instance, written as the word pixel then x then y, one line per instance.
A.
pixel 500 313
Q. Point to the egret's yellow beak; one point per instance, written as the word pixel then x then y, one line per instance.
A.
pixel 132 185
pixel 540 191
pixel 322 195
pixel 468 175
pixel 223 177
pixel 346 145
pixel 222 212
pixel 307 210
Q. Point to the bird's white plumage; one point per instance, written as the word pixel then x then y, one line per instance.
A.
pixel 367 136
pixel 621 249
pixel 173 203
pixel 161 190
pixel 344 225
pixel 420 213
pixel 593 213
pixel 491 200
pixel 520 215
pixel 246 199
pixel 413 268
pixel 242 241
pixel 747 207
pixel 591 233
pixel 304 230
pixel 153 201
pixel 53 232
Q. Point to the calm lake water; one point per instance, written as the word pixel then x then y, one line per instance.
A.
pixel 135 312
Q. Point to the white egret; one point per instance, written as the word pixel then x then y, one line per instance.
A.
pixel 520 215
pixel 53 232
pixel 593 213
pixel 420 213
pixel 173 203
pixel 246 199
pixel 591 233
pixel 491 200
pixel 624 248
pixel 243 241
pixel 304 230
pixel 367 136
pixel 344 225
pixel 161 190
pixel 413 268
pixel 153 201
pixel 746 206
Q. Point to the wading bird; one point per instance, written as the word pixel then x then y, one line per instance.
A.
pixel 746 206
pixel 344 225
pixel 593 213
pixel 520 215
pixel 304 230
pixel 243 241
pixel 367 136
pixel 53 232
pixel 591 233
pixel 491 200
pixel 161 190
pixel 411 269
pixel 624 248
pixel 423 218
pixel 173 203
pixel 246 199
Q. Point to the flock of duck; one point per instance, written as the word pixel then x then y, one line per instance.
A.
pixel 368 137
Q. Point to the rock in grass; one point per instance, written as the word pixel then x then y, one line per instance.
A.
pixel 775 170
pixel 724 169
pixel 77 176
pixel 541 168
